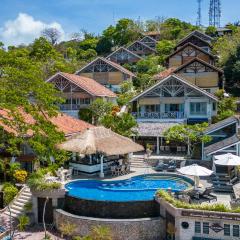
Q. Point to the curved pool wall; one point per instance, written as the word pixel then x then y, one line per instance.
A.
pixel 115 203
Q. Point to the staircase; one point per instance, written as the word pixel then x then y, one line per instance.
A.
pixel 17 206
pixel 137 162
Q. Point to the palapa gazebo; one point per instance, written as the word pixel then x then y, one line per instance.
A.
pixel 100 140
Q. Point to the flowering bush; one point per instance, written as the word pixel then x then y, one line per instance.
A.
pixel 20 176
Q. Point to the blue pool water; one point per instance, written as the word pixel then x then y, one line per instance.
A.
pixel 140 188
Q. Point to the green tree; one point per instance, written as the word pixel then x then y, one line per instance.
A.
pixel 27 108
pixel 164 48
pixel 122 123
pixel 211 31
pixel 190 134
pixel 99 109
pixel 127 92
pixel 227 106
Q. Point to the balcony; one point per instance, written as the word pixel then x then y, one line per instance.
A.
pixel 158 115
pixel 69 107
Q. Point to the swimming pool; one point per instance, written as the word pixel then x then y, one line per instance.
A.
pixel 140 188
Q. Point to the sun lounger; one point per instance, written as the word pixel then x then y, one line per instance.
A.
pixel 207 194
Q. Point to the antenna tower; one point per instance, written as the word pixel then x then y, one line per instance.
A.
pixel 215 13
pixel 199 13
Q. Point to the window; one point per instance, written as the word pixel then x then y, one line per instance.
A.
pixel 226 230
pixel 214 106
pixel 206 228
pixel 85 101
pixel 197 227
pixel 236 231
pixel 198 108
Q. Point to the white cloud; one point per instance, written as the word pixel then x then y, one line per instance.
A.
pixel 24 29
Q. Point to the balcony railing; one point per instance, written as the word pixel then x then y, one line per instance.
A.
pixel 69 107
pixel 159 115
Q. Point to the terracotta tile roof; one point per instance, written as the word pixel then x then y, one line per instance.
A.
pixel 67 124
pixel 89 85
pixel 164 74
pixel 113 64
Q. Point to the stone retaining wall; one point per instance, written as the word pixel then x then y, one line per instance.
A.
pixel 122 229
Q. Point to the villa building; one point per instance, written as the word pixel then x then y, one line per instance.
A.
pixel 225 138
pixel 151 42
pixel 141 49
pixel 199 73
pixel 107 73
pixel 153 34
pixel 187 53
pixel 197 38
pixel 79 92
pixel 171 101
pixel 123 55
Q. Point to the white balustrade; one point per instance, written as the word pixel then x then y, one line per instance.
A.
pixel 159 115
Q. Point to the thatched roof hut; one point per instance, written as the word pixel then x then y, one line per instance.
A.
pixel 100 140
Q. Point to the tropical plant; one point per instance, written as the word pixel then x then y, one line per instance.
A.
pixel 20 176
pixel 67 229
pixel 216 207
pixel 190 134
pixel 23 221
pixel 101 233
pixel 8 168
pixel 28 207
pixel 122 123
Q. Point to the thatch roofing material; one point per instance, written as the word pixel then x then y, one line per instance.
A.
pixel 100 140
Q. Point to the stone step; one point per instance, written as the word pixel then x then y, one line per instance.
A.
pixel 21 201
pixel 24 198
pixel 17 208
pixel 27 194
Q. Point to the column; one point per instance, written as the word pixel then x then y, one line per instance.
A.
pixel 158 145
pixel 101 168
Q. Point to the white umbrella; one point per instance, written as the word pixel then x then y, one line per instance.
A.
pixel 227 160
pixel 196 171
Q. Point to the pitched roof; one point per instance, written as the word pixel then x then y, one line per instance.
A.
pixel 148 37
pixel 191 85
pixel 200 61
pixel 113 64
pixel 221 124
pixel 141 43
pixel 197 34
pixel 192 45
pixel 226 143
pixel 153 129
pixel 125 49
pixel 65 123
pixel 89 85
pixel 164 74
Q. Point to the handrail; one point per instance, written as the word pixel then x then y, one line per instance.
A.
pixel 159 115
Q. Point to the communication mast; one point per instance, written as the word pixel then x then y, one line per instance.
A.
pixel 199 13
pixel 215 13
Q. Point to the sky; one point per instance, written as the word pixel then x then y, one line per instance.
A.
pixel 21 21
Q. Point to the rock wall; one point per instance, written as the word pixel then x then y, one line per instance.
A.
pixel 122 229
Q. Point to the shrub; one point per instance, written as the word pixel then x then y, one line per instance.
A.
pixel 9 193
pixel 101 233
pixel 217 207
pixel 36 181
pixel 20 176
pixel 67 229
pixel 23 221
pixel 28 207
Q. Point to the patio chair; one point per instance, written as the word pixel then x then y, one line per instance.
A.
pixel 161 166
pixel 167 148
pixel 194 194
pixel 127 169
pixel 123 170
pixel 179 149
pixel 162 148
pixel 113 170
pixel 69 174
pixel 207 194
pixel 118 170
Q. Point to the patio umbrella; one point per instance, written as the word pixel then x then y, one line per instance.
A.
pixel 196 171
pixel 228 159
